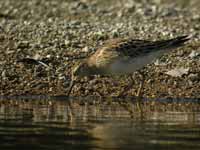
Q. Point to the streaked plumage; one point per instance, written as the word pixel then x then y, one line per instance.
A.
pixel 124 56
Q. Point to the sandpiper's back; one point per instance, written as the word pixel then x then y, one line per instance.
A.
pixel 122 56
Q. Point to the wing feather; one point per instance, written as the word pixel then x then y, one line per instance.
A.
pixel 126 48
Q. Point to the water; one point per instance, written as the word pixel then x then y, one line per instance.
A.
pixel 38 124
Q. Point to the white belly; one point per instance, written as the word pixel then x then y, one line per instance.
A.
pixel 132 65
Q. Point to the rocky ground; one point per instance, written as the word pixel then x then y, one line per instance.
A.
pixel 59 33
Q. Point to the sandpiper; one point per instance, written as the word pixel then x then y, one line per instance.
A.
pixel 124 56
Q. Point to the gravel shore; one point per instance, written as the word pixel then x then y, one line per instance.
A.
pixel 41 40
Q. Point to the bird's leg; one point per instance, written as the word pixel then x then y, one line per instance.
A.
pixel 128 86
pixel 128 104
pixel 139 92
pixel 69 111
pixel 72 83
pixel 69 106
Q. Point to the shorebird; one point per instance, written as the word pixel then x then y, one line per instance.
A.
pixel 124 56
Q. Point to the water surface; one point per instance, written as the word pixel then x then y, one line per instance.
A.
pixel 58 124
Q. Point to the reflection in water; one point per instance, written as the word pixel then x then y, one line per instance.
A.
pixel 58 124
pixel 147 135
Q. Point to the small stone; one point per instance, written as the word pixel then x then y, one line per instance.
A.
pixel 37 57
pixel 85 49
pixel 194 77
pixel 67 42
pixel 50 89
pixel 10 52
pixel 3 75
pixel 159 63
pixel 61 77
pixel 23 44
pixel 194 54
pixel 178 72
pixel 129 5
pixel 48 56
pixel 115 33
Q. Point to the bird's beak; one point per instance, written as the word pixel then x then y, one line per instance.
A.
pixel 72 83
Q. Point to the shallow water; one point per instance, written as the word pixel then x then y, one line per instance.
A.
pixel 60 124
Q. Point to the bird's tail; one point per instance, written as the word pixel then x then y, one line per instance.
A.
pixel 175 42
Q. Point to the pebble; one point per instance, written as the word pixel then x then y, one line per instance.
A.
pixel 85 49
pixel 194 54
pixel 194 76
pixel 178 72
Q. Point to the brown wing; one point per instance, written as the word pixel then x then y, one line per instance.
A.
pixel 133 48
pixel 116 48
